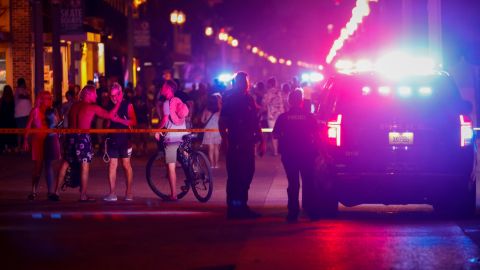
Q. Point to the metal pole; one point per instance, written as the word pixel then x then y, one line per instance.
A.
pixel 38 40
pixel 56 53
pixel 129 69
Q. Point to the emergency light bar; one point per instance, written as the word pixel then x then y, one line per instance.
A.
pixel 402 91
pixel 394 65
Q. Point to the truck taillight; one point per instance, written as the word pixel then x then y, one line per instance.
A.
pixel 466 131
pixel 335 130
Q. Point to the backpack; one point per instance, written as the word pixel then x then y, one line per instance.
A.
pixel 72 176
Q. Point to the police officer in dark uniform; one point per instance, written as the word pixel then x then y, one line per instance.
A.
pixel 297 132
pixel 119 145
pixel 240 129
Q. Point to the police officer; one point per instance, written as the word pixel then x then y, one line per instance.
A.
pixel 240 129
pixel 297 133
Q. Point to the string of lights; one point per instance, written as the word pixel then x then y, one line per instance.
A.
pixel 360 11
pixel 224 36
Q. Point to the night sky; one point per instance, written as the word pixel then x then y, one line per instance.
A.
pixel 291 29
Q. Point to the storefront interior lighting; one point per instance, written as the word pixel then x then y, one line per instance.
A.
pixel 208 31
pixel 177 17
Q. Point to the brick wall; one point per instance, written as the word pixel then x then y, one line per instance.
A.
pixel 21 30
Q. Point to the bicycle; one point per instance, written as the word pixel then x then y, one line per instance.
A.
pixel 194 170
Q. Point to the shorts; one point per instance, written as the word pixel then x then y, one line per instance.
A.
pixel 83 148
pixel 171 152
pixel 118 150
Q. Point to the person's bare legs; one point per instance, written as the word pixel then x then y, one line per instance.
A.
pixel 85 169
pixel 275 146
pixel 211 155
pixel 49 175
pixel 172 179
pixel 127 168
pixel 216 155
pixel 61 176
pixel 112 174
pixel 37 172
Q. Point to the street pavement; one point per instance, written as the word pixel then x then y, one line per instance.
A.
pixel 152 234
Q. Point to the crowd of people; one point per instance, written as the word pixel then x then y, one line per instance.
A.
pixel 107 105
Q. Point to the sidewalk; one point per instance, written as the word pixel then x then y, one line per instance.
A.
pixel 268 187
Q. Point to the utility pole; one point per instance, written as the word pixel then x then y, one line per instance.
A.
pixel 38 40
pixel 56 53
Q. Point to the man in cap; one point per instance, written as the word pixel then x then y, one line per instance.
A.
pixel 240 129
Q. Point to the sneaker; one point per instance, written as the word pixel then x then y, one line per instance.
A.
pixel 129 197
pixel 110 198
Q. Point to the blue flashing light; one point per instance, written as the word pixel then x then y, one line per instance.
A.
pixel 56 216
pixel 225 77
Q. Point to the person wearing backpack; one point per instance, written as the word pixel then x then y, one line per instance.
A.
pixel 174 113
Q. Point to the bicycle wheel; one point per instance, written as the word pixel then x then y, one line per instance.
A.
pixel 157 178
pixel 202 181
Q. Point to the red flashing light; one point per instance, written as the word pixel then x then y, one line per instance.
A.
pixel 466 131
pixel 334 131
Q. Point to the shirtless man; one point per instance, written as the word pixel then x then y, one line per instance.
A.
pixel 79 146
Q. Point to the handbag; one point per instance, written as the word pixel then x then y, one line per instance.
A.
pixel 201 134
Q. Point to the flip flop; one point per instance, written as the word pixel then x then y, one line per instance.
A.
pixel 88 200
